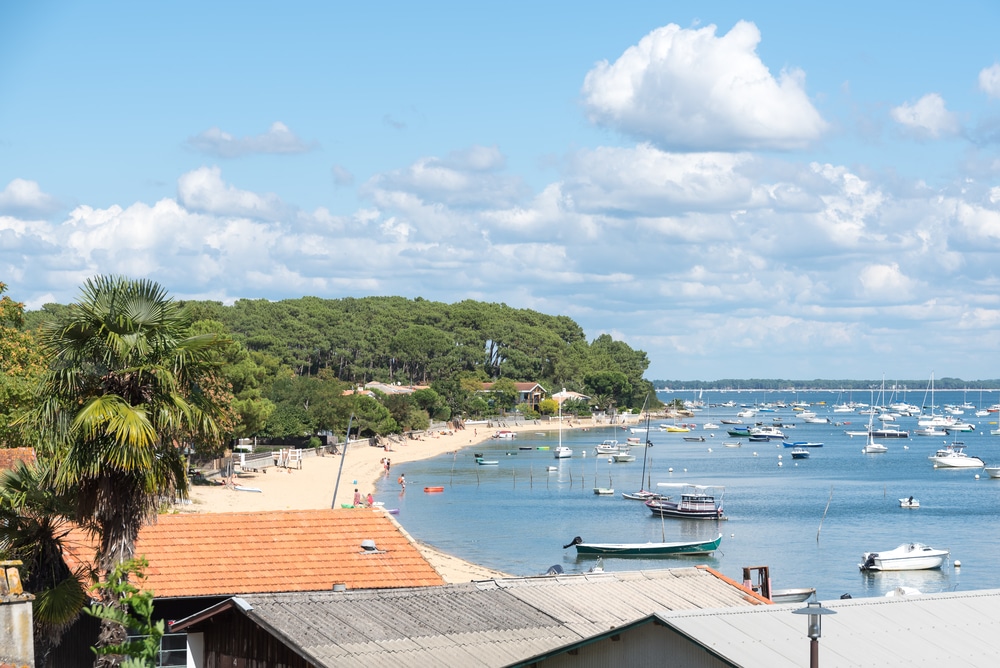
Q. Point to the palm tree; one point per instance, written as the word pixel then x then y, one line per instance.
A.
pixel 123 393
pixel 34 525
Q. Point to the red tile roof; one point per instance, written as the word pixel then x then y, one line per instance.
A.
pixel 208 554
pixel 10 456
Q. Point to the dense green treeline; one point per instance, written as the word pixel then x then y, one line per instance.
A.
pixel 823 384
pixel 287 364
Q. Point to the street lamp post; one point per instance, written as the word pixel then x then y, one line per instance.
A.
pixel 815 629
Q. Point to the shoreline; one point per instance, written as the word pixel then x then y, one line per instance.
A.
pixel 312 486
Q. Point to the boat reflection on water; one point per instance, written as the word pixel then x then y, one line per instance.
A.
pixel 876 583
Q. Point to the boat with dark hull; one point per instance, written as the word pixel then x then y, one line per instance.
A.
pixel 699 502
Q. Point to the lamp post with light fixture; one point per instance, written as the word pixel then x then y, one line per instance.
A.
pixel 815 611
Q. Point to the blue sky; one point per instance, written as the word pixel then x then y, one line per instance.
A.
pixel 739 189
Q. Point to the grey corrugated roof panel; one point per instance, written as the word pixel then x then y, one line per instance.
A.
pixel 619 601
pixel 959 628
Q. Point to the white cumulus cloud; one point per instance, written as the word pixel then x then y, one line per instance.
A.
pixel 203 190
pixel 989 80
pixel 690 89
pixel 277 139
pixel 25 198
pixel 927 118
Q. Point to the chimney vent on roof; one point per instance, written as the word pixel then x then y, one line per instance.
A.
pixel 368 545
pixel 340 586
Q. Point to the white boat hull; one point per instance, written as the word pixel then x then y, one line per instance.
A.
pixel 906 557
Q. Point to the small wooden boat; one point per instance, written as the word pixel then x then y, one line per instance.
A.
pixel 646 549
pixel 694 439
pixel 732 444
pixel 487 462
pixel 431 490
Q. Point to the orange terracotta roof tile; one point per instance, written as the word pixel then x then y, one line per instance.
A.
pixel 297 550
pixel 10 456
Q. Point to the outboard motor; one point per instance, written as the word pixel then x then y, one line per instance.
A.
pixel 869 562
pixel 575 541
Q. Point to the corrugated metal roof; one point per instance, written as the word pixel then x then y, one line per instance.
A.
pixel 481 624
pixel 953 629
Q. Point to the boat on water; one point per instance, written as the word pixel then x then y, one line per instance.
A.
pixel 906 557
pixel 675 428
pixel 609 447
pixel 701 502
pixel 909 502
pixel 800 453
pixel 802 444
pixel 604 491
pixel 623 457
pixel 954 456
pixel 993 471
pixel 739 432
pixel 874 448
pixel 769 432
pixel 694 439
pixel 641 495
pixel 731 421
pixel 487 462
pixel 796 595
pixel 505 433
pixel 562 452
pixel 732 444
pixel 646 549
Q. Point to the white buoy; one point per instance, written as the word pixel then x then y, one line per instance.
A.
pixel 779 456
pixel 685 470
pixel 958 564
pixel 977 476
pixel 755 454
pixel 710 449
pixel 732 535
pixel 609 460
pixel 780 464
pixel 670 470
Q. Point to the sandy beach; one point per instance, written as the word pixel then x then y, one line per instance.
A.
pixel 312 485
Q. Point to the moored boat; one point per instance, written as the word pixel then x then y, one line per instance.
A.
pixel 909 502
pixel 623 457
pixel 906 557
pixel 646 549
pixel 505 433
pixel 696 502
pixel 993 471
pixel 562 452
pixel 800 453
pixel 953 456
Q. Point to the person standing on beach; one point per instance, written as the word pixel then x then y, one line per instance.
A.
pixel 402 482
pixel 371 500
pixel 357 498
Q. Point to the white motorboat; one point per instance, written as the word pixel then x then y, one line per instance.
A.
pixel 611 447
pixel 906 557
pixel 953 456
pixel 909 502
pixel 993 471
pixel 562 452
pixel 623 457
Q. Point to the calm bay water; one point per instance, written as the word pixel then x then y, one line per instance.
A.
pixel 808 520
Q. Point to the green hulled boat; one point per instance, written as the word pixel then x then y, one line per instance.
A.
pixel 646 549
